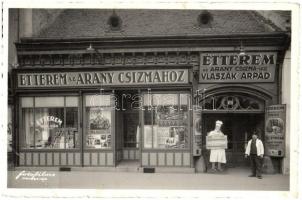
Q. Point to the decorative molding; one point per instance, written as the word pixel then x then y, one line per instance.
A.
pixel 109 59
pixel 232 102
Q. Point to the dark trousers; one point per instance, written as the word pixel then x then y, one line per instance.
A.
pixel 256 164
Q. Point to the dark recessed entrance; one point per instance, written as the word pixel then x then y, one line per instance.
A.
pixel 239 128
pixel 127 123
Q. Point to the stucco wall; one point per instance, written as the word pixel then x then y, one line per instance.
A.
pixel 282 19
pixel 13 36
pixel 42 18
pixel 26 23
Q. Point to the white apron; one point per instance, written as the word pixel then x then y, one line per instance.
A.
pixel 217 155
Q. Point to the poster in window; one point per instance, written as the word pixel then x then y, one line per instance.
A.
pixel 162 136
pixel 176 137
pixel 99 119
pixel 99 128
pixel 197 137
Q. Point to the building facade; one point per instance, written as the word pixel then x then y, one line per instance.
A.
pixel 102 88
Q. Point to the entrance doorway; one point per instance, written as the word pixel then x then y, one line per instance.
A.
pixel 239 128
pixel 127 128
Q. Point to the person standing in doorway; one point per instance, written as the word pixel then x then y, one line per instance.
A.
pixel 217 155
pixel 255 151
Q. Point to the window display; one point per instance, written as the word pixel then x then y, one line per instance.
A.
pixel 166 124
pixel 48 123
pixel 48 128
pixel 98 121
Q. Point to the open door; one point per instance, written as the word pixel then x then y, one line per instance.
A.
pixel 127 128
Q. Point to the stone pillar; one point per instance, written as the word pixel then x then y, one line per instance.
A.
pixel 286 71
pixel 13 37
pixel 268 166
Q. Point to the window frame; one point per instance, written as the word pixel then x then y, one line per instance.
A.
pixel 110 108
pixel 20 116
pixel 189 104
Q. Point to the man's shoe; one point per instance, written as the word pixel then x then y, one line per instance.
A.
pixel 252 175
pixel 259 177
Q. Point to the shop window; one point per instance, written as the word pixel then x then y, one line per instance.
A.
pixel 49 123
pixel 98 112
pixel 166 121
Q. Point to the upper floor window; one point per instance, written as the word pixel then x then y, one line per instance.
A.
pixel 115 22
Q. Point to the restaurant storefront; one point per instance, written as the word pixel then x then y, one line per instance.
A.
pixel 147 115
pixel 148 101
pixel 95 118
pixel 237 89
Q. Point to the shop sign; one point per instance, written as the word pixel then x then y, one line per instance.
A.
pixel 49 122
pixel 217 142
pixel 236 68
pixel 275 130
pixel 103 78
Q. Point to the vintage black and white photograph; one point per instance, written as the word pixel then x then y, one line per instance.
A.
pixel 150 98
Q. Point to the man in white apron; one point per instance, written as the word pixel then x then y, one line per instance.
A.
pixel 217 155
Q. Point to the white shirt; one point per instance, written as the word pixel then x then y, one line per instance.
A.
pixel 259 146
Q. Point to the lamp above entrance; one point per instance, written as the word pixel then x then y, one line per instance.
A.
pixel 90 48
pixel 241 49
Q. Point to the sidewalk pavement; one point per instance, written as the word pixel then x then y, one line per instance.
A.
pixel 232 179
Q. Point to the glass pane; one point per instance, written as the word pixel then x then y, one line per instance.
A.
pixel 72 101
pixel 49 128
pixel 72 134
pixel 165 118
pixel 97 100
pixel 147 136
pixel 169 123
pixel 27 133
pixel 184 99
pixel 147 127
pixel 98 126
pixel 183 131
pixel 27 102
pixel 164 99
pixel 147 116
pixel 147 99
pixel 49 102
pixel 183 115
